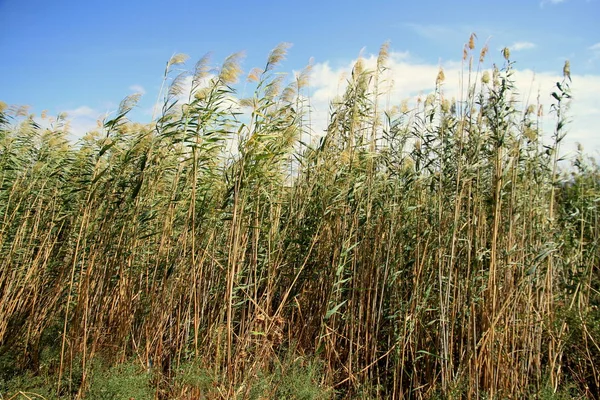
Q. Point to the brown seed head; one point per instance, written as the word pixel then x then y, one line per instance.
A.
pixel 178 58
pixel 483 53
pixel 254 74
pixel 277 55
pixel 485 78
pixel 567 70
pixel 231 70
pixel 440 77
pixel 404 106
pixel 472 41
pixel 445 105
pixel 383 54
pixel 303 77
pixel 530 109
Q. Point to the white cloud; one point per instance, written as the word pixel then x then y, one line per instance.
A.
pixel 594 55
pixel 518 46
pixel 137 89
pixel 544 2
pixel 444 33
pixel 82 112
pixel 83 120
pixel 431 31
pixel 413 79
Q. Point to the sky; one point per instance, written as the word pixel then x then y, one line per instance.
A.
pixel 84 57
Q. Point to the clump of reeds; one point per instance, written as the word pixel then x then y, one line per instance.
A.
pixel 410 253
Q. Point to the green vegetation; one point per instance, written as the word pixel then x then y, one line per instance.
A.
pixel 432 252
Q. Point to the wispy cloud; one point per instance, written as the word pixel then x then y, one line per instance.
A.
pixel 435 32
pixel 594 54
pixel 518 46
pixel 544 2
pixel 83 111
pixel 83 120
pixel 137 89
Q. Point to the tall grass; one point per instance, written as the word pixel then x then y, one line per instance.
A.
pixel 408 253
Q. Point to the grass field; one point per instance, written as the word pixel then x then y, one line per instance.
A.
pixel 435 249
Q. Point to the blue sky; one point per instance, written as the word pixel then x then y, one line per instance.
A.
pixel 83 57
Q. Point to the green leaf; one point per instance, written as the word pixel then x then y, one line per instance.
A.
pixel 334 310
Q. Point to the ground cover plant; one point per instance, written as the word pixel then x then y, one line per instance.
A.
pixel 429 250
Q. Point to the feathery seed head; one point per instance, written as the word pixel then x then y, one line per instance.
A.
pixel 465 53
pixel 21 111
pixel 303 77
pixel 231 70
pixel 440 77
pixel 445 105
pixel 496 76
pixel 506 53
pixel 185 108
pixel 472 41
pixel 247 102
pixel 254 75
pixel 383 54
pixel 178 58
pixel 358 67
pixel 483 53
pixel 178 84
pixel 127 104
pixel 408 165
pixel 530 109
pixel 289 93
pixel 567 70
pixel 418 144
pixel 202 68
pixel 44 114
pixel 530 134
pixel 485 78
pixel 3 106
pixel 274 87
pixel 429 100
pixel 55 141
pixel 277 55
pixel 404 106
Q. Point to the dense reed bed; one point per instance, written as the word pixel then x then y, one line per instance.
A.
pixel 438 251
